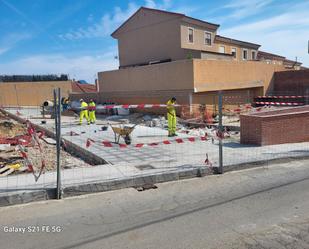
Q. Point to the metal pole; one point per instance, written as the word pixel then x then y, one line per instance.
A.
pixel 55 112
pixel 58 136
pixel 43 111
pixel 55 107
pixel 220 131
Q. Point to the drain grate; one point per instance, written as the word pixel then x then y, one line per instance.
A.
pixel 146 187
pixel 145 167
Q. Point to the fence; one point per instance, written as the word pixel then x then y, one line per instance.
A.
pixel 129 146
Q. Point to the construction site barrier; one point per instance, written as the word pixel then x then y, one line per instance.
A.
pixel 279 103
pixel 90 141
pixel 108 107
pixel 281 97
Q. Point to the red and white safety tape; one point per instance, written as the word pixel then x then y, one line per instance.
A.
pixel 25 157
pixel 105 143
pixel 233 97
pixel 281 97
pixel 278 103
pixel 137 106
pixel 35 139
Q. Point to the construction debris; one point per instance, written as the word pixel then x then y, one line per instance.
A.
pixel 13 135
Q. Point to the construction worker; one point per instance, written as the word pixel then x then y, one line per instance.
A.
pixel 65 103
pixel 171 117
pixel 83 112
pixel 92 117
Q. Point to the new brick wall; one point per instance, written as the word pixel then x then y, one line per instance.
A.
pixel 290 125
pixel 294 82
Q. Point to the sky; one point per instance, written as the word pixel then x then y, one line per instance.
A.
pixel 73 36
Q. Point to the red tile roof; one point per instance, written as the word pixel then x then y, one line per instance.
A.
pixel 237 42
pixel 83 88
pixel 269 55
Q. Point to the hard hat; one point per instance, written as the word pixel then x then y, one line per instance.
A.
pixel 174 98
pixel 81 100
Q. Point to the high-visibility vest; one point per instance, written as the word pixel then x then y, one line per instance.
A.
pixel 84 106
pixel 91 105
pixel 171 108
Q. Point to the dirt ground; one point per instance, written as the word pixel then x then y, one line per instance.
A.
pixel 11 155
pixel 10 129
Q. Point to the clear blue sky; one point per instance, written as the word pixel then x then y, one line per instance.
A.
pixel 73 36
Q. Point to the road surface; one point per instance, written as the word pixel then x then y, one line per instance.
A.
pixel 258 208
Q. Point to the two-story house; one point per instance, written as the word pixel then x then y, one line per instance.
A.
pixel 164 54
pixel 151 36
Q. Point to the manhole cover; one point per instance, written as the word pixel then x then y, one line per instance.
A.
pixel 144 167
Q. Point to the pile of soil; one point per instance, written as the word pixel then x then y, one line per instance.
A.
pixel 10 129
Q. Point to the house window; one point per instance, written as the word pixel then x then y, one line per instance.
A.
pixel 245 54
pixel 253 55
pixel 207 38
pixel 234 52
pixel 222 49
pixel 190 35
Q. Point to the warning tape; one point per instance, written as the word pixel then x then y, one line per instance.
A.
pixel 35 139
pixel 105 143
pixel 137 106
pixel 281 97
pixel 279 103
pixel 22 139
pixel 234 97
pixel 25 157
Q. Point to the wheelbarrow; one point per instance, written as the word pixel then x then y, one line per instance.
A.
pixel 123 132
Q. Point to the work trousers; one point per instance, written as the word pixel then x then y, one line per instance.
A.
pixel 171 124
pixel 83 114
pixel 92 117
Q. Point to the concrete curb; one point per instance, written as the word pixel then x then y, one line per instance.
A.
pixel 135 182
pixel 22 197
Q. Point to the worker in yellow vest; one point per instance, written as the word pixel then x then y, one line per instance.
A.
pixel 91 106
pixel 171 117
pixel 83 112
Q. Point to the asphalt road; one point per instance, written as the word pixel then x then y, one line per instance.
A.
pixel 257 208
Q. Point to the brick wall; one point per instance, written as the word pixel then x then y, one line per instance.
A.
pixel 290 125
pixel 294 82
